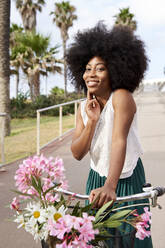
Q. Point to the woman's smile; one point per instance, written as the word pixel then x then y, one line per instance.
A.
pixel 93 83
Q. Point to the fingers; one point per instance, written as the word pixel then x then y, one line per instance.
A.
pixel 89 95
pixel 100 198
pixel 94 197
pixel 92 103
pixel 91 196
pixel 91 100
pixel 97 198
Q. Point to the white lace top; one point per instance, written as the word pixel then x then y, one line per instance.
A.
pixel 101 142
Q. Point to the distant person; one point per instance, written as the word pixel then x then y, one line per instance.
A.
pixel 109 65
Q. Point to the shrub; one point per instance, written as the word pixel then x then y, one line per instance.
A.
pixel 22 108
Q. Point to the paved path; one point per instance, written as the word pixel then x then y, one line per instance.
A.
pixel 151 126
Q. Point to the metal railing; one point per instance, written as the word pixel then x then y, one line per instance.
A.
pixel 60 106
pixel 3 115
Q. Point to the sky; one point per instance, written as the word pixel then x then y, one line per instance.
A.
pixel 150 17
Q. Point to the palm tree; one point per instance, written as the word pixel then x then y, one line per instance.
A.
pixel 4 61
pixel 64 17
pixel 28 10
pixel 14 53
pixel 36 58
pixel 126 18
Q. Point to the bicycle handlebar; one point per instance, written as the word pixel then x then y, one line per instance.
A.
pixel 150 192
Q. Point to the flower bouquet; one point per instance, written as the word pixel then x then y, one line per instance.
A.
pixel 51 217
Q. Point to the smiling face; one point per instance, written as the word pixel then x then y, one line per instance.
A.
pixel 96 77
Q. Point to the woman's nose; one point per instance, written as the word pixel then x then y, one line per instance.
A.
pixel 92 72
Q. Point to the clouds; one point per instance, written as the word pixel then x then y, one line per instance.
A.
pixel 149 12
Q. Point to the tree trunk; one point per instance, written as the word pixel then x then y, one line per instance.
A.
pixel 31 89
pixel 4 62
pixel 65 72
pixel 36 83
pixel 29 20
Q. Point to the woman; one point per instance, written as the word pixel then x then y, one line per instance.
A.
pixel 109 65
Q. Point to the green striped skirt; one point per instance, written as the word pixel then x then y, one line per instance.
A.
pixel 126 186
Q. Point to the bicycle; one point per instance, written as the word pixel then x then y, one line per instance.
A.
pixel 149 193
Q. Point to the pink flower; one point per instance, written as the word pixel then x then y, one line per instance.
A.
pixel 15 204
pixel 75 231
pixel 64 184
pixel 52 198
pixel 145 220
pixel 49 171
pixel 87 233
pixel 146 217
pixel 51 227
pixel 142 233
pixel 32 191
pixel 62 245
pixel 72 222
pixel 87 218
pixel 58 229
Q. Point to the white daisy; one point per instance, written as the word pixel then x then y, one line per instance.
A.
pixel 55 214
pixel 21 220
pixel 38 231
pixel 36 213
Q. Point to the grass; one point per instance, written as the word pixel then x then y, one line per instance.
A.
pixel 22 141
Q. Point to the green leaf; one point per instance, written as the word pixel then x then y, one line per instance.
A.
pixel 39 184
pixel 119 214
pixel 112 223
pixel 76 208
pixel 102 209
pixel 20 193
pixel 59 204
pixel 88 208
pixel 34 183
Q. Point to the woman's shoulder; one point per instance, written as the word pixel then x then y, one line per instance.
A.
pixel 123 98
pixel 122 92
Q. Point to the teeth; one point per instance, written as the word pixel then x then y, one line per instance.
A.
pixel 92 83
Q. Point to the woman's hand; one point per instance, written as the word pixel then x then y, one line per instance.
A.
pixel 92 108
pixel 103 195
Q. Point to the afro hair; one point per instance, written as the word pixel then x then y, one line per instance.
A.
pixel 122 51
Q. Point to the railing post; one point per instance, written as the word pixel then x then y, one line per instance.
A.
pixel 60 122
pixel 38 133
pixel 2 140
pixel 75 113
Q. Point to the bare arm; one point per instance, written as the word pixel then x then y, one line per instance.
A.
pixel 83 134
pixel 124 110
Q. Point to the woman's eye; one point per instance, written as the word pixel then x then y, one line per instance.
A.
pixel 97 69
pixel 100 69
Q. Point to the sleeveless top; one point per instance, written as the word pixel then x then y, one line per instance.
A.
pixel 101 142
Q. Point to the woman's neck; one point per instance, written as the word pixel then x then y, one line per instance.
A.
pixel 103 99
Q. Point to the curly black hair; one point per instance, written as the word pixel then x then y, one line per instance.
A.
pixel 123 52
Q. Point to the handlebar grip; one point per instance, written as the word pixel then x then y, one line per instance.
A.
pixel 160 190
